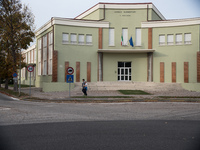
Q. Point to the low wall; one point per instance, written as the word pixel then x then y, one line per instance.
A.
pixel 191 86
pixel 57 86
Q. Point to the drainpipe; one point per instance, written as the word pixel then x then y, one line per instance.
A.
pixel 104 14
pixel 147 12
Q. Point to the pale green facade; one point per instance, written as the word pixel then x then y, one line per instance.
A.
pixel 99 61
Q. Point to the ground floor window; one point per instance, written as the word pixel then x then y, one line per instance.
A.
pixel 124 71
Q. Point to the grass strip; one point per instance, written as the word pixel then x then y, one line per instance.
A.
pixel 22 85
pixel 179 96
pixel 12 93
pixel 102 97
pixel 133 92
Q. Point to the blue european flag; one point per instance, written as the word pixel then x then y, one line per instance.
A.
pixel 131 41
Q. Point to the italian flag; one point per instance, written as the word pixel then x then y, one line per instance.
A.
pixel 122 39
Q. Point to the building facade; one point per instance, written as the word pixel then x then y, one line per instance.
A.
pixel 118 42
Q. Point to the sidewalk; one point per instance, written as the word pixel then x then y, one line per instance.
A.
pixel 37 93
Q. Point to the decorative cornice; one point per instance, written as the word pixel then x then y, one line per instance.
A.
pixel 170 23
pixel 72 22
pixel 126 50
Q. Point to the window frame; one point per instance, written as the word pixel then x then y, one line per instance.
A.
pixel 170 39
pixel 90 39
pixel 111 40
pixel 161 42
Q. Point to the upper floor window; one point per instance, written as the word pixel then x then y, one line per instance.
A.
pixel 65 38
pixel 161 39
pixel 89 39
pixel 170 39
pixel 81 39
pixel 138 37
pixel 111 37
pixel 73 38
pixel 187 38
pixel 124 37
pixel 178 39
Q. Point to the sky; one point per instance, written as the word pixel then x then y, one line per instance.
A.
pixel 43 10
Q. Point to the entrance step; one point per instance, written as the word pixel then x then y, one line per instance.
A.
pixel 146 86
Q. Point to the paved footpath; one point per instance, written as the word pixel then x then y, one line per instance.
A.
pixel 37 92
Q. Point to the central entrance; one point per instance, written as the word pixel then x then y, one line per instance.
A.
pixel 124 71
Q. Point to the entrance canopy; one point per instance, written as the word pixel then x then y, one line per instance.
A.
pixel 125 50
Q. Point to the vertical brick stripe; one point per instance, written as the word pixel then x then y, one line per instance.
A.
pixel 88 71
pixel 162 72
pixel 47 54
pixel 149 38
pixel 55 66
pixel 186 72
pixel 42 56
pixel 77 71
pixel 66 66
pixel 173 72
pixel 198 66
pixel 100 38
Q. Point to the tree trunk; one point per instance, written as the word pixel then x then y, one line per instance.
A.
pixel 6 83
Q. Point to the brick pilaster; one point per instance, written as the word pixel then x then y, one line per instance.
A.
pixel 88 71
pixel 100 38
pixel 149 38
pixel 66 66
pixel 162 71
pixel 77 71
pixel 186 72
pixel 55 66
pixel 173 71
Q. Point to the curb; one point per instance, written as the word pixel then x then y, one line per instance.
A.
pixel 108 100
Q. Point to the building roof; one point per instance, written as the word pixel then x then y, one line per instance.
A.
pixel 119 6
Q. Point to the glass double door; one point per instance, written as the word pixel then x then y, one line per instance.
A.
pixel 124 71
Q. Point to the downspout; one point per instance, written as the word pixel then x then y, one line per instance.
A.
pixel 147 12
pixel 104 14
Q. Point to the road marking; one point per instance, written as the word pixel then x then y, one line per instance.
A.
pixel 16 99
pixel 4 108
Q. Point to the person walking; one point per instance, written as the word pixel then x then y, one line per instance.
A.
pixel 83 86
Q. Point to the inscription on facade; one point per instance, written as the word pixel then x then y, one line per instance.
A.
pixel 125 13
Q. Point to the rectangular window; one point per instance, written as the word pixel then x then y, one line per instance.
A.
pixel 111 37
pixel 26 57
pixel 65 38
pixel 138 37
pixel 178 39
pixel 50 49
pixel 161 39
pixel 39 56
pixel 89 39
pixel 124 36
pixel 45 68
pixel 44 54
pixel 35 56
pixel 81 39
pixel 170 39
pixel 32 56
pixel 187 38
pixel 73 38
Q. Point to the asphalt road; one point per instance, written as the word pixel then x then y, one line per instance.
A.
pixel 135 126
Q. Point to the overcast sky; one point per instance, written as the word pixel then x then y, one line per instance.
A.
pixel 45 9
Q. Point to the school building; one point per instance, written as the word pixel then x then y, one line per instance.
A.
pixel 130 42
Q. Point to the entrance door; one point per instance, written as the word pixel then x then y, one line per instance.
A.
pixel 124 71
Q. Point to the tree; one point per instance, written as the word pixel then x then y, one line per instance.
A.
pixel 17 32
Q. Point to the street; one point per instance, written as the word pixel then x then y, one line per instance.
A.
pixel 139 126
